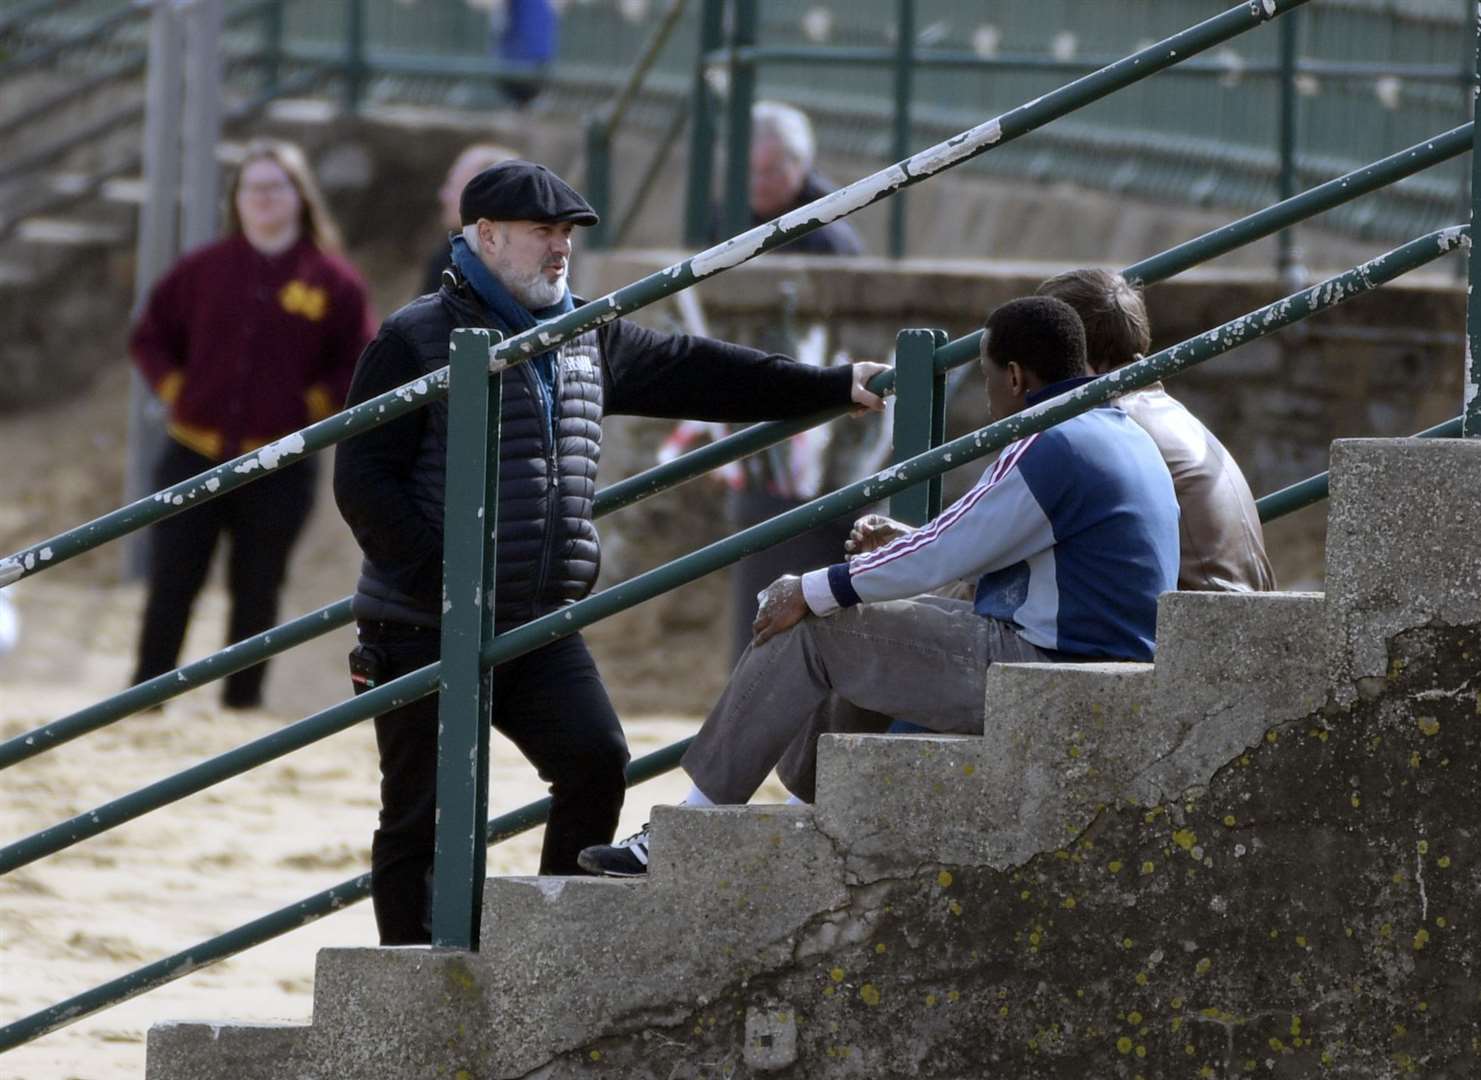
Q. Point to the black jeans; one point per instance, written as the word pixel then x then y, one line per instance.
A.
pixel 264 519
pixel 550 703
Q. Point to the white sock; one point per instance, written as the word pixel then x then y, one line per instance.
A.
pixel 793 800
pixel 696 797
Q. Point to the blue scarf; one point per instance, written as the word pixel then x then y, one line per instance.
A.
pixel 510 315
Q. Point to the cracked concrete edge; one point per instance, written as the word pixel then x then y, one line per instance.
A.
pixel 1403 521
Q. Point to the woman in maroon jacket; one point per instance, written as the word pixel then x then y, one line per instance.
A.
pixel 245 340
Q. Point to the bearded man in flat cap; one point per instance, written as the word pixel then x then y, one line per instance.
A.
pixel 509 269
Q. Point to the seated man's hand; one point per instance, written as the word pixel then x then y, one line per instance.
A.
pixel 866 399
pixel 873 531
pixel 781 607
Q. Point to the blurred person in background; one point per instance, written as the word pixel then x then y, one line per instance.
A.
pixel 524 36
pixel 244 341
pixel 468 164
pixel 782 178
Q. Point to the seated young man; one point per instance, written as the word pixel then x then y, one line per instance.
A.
pixel 1222 544
pixel 1071 535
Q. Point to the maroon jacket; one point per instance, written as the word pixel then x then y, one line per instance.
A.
pixel 244 348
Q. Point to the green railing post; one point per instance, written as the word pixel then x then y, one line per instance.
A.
pixel 469 530
pixel 598 179
pixel 904 86
pixel 1287 256
pixel 738 123
pixel 700 188
pixel 920 419
pixel 272 46
pixel 1471 411
pixel 354 54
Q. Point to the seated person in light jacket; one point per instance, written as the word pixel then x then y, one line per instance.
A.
pixel 1071 536
pixel 1222 544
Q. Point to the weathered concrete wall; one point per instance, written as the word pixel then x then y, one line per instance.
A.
pixel 1309 913
pixel 1221 865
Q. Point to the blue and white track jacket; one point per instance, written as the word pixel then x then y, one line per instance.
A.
pixel 1072 534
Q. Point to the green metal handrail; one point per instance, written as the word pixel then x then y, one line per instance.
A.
pixel 626 492
pixel 127 67
pixel 951 59
pixel 1314 489
pixel 741 56
pixel 1263 223
pixel 1274 316
pixel 23 13
pixel 545 629
pixel 733 252
pixel 293 917
pixel 101 27
pixel 603 126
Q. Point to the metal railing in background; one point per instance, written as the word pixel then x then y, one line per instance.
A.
pixel 741 55
pixel 465 627
pixel 603 126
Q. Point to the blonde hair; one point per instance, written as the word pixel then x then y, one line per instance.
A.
pixel 314 220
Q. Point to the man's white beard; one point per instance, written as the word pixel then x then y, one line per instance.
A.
pixel 535 291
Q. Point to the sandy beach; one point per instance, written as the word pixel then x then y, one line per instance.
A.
pixel 180 875
pixel 184 873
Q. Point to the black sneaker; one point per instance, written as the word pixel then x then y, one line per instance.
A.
pixel 626 858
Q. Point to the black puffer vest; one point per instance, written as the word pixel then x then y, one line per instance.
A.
pixel 548 551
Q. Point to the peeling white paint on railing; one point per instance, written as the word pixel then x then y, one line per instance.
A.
pixel 522 346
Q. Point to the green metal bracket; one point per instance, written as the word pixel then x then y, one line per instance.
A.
pixel 470 529
pixel 920 419
pixel 701 181
pixel 738 119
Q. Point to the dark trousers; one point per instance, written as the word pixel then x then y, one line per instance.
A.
pixel 263 519
pixel 550 703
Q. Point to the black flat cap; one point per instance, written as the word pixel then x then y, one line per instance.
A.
pixel 522 191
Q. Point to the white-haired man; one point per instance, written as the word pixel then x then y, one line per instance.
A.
pixel 782 178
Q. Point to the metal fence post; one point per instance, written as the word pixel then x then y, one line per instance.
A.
pixel 1471 420
pixel 699 193
pixel 272 47
pixel 920 419
pixel 1287 257
pixel 904 78
pixel 201 130
pixel 354 54
pixel 470 529
pixel 156 247
pixel 599 179
pixel 738 126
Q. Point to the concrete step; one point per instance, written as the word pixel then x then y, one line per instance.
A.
pixel 1403 522
pixel 130 190
pixel 1230 667
pixel 1235 638
pixel 68 232
pixel 1060 740
pixel 729 847
pixel 188 1050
